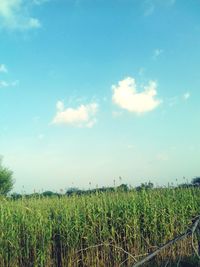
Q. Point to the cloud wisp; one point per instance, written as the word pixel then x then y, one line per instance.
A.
pixel 3 68
pixel 82 116
pixel 125 96
pixel 157 52
pixel 186 96
pixel 14 14
pixel 5 84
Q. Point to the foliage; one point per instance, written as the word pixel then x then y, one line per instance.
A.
pixel 196 181
pixel 15 196
pixel 77 191
pixel 184 185
pixel 73 190
pixel 49 194
pixel 123 188
pixel 6 180
pixel 145 186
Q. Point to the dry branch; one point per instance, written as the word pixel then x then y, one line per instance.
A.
pixel 190 231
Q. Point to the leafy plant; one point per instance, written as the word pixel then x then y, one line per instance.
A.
pixel 6 180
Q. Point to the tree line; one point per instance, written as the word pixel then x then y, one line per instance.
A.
pixel 7 183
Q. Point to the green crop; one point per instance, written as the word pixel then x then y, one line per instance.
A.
pixel 95 230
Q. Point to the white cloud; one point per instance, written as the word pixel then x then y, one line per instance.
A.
pixel 14 14
pixel 60 106
pixel 186 96
pixel 5 84
pixel 126 96
pixel 33 23
pixel 82 116
pixel 175 100
pixel 3 68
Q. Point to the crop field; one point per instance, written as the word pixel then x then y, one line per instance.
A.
pixel 102 229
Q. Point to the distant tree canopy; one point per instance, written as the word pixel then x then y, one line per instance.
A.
pixel 184 185
pixel 196 181
pixel 145 186
pixel 77 191
pixel 123 187
pixel 49 194
pixel 73 190
pixel 6 180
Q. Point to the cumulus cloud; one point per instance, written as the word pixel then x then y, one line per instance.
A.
pixel 125 95
pixel 14 14
pixel 60 106
pixel 3 68
pixel 82 116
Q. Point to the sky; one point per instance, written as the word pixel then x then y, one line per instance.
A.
pixel 94 90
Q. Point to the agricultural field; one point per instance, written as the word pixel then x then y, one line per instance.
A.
pixel 103 229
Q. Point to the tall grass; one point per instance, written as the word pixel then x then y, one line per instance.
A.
pixel 93 230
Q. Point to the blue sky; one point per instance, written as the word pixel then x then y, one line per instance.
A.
pixel 91 90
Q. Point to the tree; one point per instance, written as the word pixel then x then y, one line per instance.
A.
pixel 145 186
pixel 123 188
pixel 6 180
pixel 196 181
pixel 49 194
pixel 73 191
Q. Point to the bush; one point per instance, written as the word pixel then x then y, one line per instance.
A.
pixel 6 180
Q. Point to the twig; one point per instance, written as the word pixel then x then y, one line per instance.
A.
pixel 130 255
pixel 190 231
pixel 167 262
pixel 94 246
pixel 179 260
pixel 108 245
pixel 193 246
pixel 123 262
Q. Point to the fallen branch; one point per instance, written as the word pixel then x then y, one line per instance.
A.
pixel 190 231
pixel 108 245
